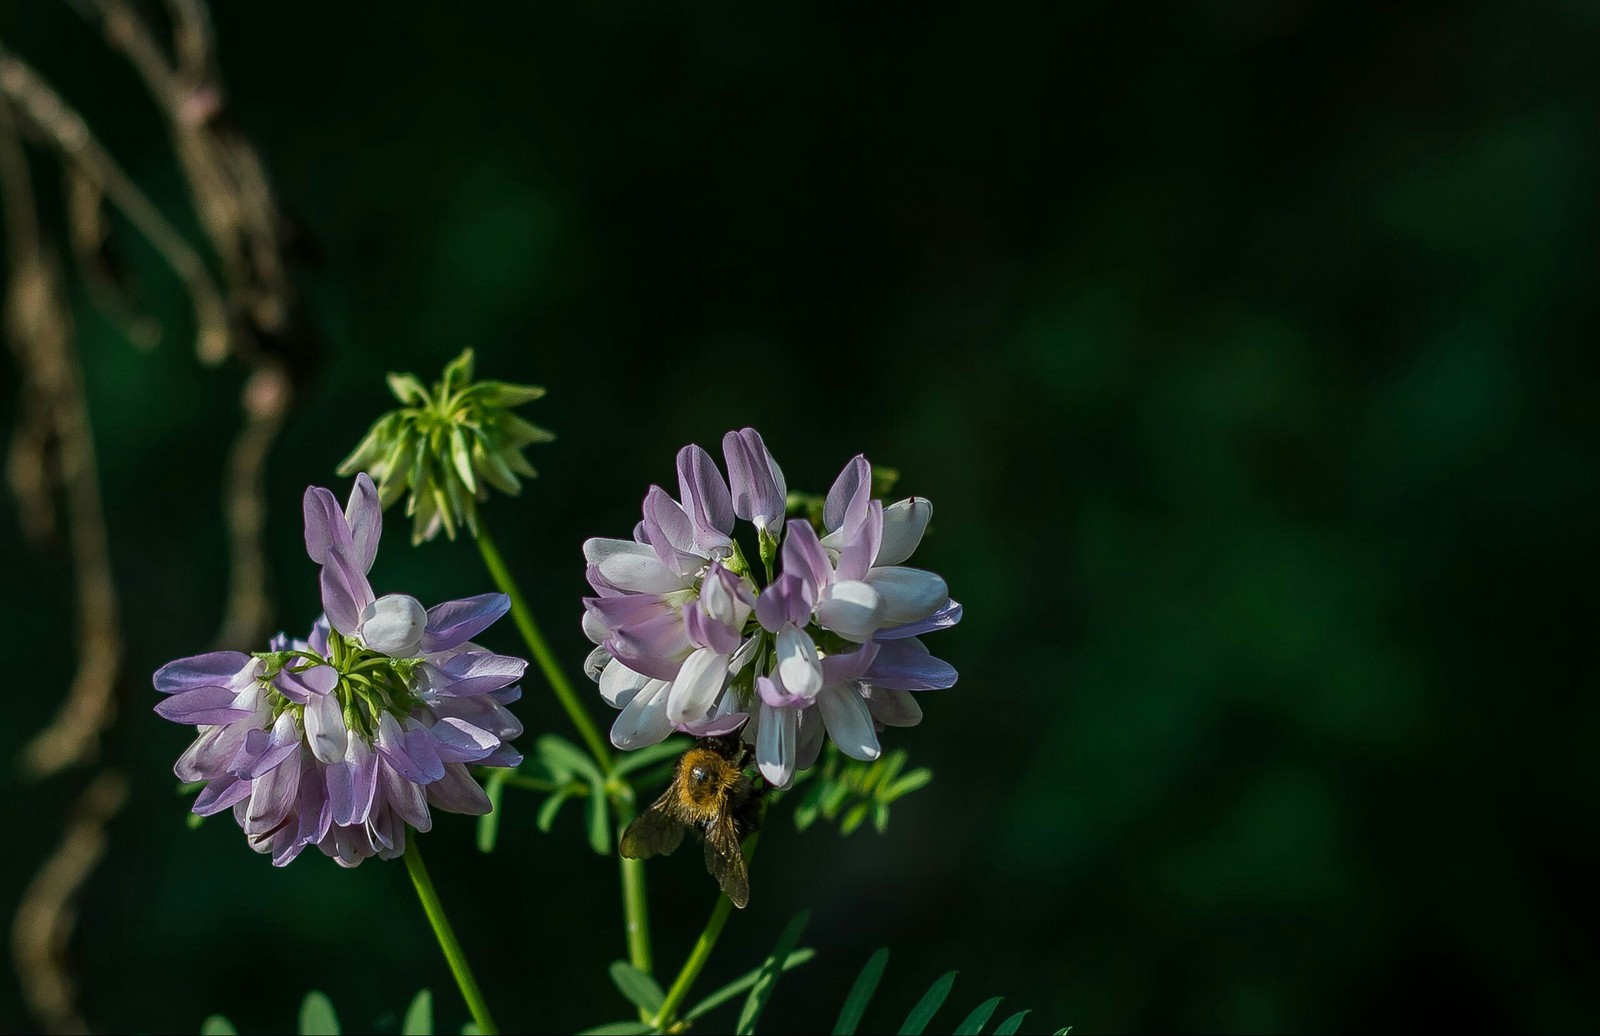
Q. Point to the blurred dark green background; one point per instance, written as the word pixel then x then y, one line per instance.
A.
pixel 1247 350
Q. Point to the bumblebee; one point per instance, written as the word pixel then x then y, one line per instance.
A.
pixel 710 793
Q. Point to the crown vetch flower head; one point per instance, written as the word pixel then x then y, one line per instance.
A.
pixel 447 446
pixel 344 739
pixel 688 640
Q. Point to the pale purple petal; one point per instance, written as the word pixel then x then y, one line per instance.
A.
pixel 453 623
pixel 476 672
pixel 663 637
pixel 345 593
pixel 705 498
pixel 216 669
pixel 481 711
pixel 772 692
pixel 408 801
pixel 220 794
pixel 808 743
pixel 670 533
pixel 203 705
pixel 944 618
pixel 303 685
pixel 271 795
pixel 424 751
pixel 365 519
pixel 906 665
pixel 326 529
pixel 847 499
pixel 804 557
pixel 706 632
pixel 849 665
pixel 314 813
pixel 208 757
pixel 788 599
pixel 849 722
pixel 458 741
pixel 758 488
pixel 718 725
pixel 457 792
pixel 861 543
pixel 264 750
pixel 630 610
pixel 352 782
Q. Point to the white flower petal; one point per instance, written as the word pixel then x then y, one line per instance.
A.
pixel 644 721
pixel 393 624
pixel 775 745
pixel 849 722
pixel 695 690
pixel 851 609
pixel 903 526
pixel 325 731
pixel 909 594
pixel 618 684
pixel 639 571
pixel 798 665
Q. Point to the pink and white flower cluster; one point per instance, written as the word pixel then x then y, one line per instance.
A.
pixel 689 639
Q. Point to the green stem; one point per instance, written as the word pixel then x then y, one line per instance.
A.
pixel 701 952
pixel 541 651
pixel 635 906
pixel 447 938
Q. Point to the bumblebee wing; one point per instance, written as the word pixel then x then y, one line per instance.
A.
pixel 655 832
pixel 725 860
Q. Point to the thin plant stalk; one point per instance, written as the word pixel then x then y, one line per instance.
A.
pixel 447 938
pixel 701 952
pixel 542 654
pixel 635 905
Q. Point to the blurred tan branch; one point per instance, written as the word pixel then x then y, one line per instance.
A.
pixel 251 312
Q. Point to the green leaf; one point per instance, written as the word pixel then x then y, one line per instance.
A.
pixel 489 823
pixel 860 994
pixel 1010 1026
pixel 562 756
pixel 458 372
pixel 668 749
pixel 419 1016
pixel 742 983
pixel 854 818
pixel 1063 1032
pixel 463 459
pixel 217 1025
pixel 762 989
pixel 407 389
pixel 552 806
pixel 908 784
pixel 505 394
pixel 974 1022
pixel 317 1017
pixel 928 1006
pixel 641 990
pixel 619 1029
pixel 600 824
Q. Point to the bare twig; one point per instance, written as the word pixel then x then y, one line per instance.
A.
pixel 49 911
pixel 54 451
pixel 43 109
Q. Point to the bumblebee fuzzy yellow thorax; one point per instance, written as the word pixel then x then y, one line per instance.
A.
pixel 704 782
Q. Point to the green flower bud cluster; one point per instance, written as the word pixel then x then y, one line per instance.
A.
pixel 447 446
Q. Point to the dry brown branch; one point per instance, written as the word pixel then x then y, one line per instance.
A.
pixel 49 911
pixel 53 452
pixel 43 110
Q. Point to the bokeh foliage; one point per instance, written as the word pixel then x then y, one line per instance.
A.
pixel 1247 351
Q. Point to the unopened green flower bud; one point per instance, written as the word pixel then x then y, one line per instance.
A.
pixel 447 447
